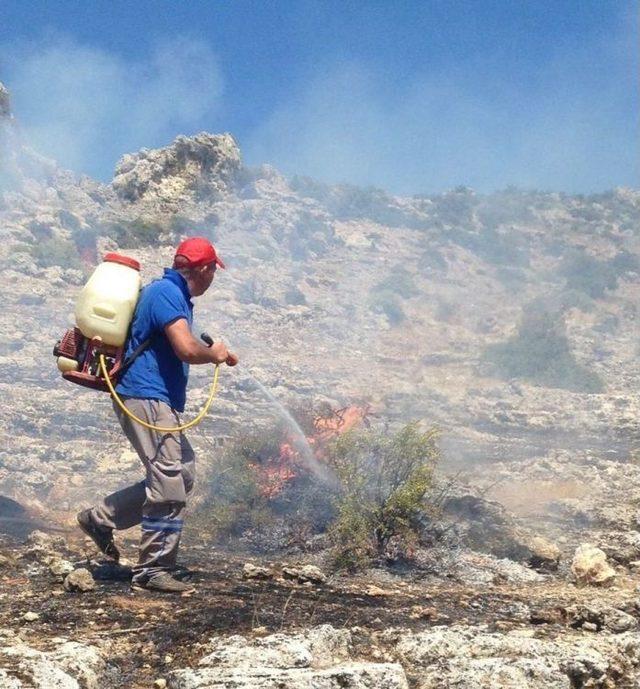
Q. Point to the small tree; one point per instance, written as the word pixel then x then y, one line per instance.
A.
pixel 383 481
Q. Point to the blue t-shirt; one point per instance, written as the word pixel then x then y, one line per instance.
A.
pixel 157 373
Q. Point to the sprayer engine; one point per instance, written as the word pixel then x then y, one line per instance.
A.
pixel 78 359
pixel 103 313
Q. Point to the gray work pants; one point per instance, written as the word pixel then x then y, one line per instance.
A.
pixel 158 502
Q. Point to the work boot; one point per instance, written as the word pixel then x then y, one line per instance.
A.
pixel 163 583
pixel 181 573
pixel 101 536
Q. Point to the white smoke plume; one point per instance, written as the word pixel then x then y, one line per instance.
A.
pixel 567 125
pixel 85 106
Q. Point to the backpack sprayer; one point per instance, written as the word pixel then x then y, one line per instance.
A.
pixel 92 353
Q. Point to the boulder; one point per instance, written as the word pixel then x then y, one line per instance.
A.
pixel 590 566
pixel 545 556
pixel 80 580
pixel 307 573
pixel 251 571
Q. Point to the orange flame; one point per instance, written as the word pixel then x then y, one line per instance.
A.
pixel 276 472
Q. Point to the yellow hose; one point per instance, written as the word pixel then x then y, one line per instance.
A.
pixel 161 429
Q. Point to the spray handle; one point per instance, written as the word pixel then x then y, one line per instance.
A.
pixel 207 339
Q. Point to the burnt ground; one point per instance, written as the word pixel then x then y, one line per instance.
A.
pixel 147 634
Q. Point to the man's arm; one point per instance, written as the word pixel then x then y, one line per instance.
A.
pixel 189 350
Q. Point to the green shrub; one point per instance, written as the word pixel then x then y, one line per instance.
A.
pixel 387 303
pixel 56 252
pixel 432 260
pixel 240 501
pixel 495 247
pixel 383 480
pixel 295 297
pixel 375 506
pixel 400 281
pixel 625 261
pixel 384 297
pixel 540 353
pixel 252 291
pixel 133 234
pixel 349 202
pixel 235 502
pixel 590 275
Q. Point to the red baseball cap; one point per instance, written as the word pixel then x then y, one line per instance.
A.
pixel 199 252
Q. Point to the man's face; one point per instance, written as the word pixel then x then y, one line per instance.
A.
pixel 203 278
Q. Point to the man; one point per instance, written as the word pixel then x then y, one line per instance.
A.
pixel 153 388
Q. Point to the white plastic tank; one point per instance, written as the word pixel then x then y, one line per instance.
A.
pixel 106 303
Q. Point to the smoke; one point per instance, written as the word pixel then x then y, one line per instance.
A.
pixel 85 106
pixel 567 124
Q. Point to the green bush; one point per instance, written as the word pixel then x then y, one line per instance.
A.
pixel 294 296
pixel 252 291
pixel 134 234
pixel 540 353
pixel 56 252
pixel 387 303
pixel 495 247
pixel 349 202
pixel 234 502
pixel 380 506
pixel 455 208
pixel 590 275
pixel 375 506
pixel 400 281
pixel 385 296
pixel 239 501
pixel 432 260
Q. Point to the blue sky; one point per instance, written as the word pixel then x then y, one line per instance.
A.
pixel 409 96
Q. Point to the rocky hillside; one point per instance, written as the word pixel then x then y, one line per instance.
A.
pixel 510 320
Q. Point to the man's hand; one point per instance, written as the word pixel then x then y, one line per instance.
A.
pixel 219 352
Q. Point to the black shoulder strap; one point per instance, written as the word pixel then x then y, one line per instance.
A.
pixel 134 355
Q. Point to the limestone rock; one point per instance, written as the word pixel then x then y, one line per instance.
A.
pixel 352 675
pixel 590 566
pixel 318 659
pixel 204 165
pixel 79 580
pixel 251 571
pixel 306 573
pixel 43 547
pixel 60 568
pixel 5 102
pixel 70 666
pixel 474 658
pixel 544 554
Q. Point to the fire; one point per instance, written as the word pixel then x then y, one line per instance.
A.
pixel 339 422
pixel 277 471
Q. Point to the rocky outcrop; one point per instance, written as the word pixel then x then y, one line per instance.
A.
pixel 70 665
pixel 317 659
pixel 5 102
pixel 474 658
pixel 204 166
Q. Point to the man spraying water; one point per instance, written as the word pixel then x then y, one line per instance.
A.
pixel 153 389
